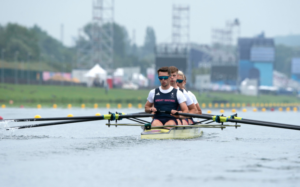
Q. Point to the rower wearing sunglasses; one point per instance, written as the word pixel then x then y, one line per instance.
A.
pixel 165 98
pixel 181 82
pixel 189 101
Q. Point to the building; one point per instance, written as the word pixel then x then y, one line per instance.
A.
pixel 256 59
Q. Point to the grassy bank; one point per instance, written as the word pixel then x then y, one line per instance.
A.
pixel 31 95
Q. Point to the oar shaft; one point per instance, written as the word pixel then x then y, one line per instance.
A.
pixel 102 117
pixel 256 121
pixel 266 124
pixel 246 121
pixel 56 119
pixel 48 124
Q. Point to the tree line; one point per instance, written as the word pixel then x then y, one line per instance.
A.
pixel 32 44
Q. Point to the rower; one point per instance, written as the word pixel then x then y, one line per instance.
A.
pixel 181 82
pixel 165 98
pixel 189 101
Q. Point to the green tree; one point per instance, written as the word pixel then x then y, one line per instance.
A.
pixel 150 41
pixel 33 44
pixel 125 53
pixel 16 39
pixel 53 51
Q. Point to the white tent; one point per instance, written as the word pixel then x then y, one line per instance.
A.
pixel 119 72
pixel 97 70
pixel 140 79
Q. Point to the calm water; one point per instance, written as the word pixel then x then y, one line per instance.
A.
pixel 91 154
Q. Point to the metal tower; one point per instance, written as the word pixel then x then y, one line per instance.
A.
pixel 103 30
pixel 226 36
pixel 181 25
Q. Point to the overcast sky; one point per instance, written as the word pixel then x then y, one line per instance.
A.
pixel 274 17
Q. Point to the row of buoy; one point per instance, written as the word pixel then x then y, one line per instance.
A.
pixel 238 105
pixel 203 105
pixel 288 109
pixel 69 106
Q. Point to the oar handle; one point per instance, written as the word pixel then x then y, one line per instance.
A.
pixel 166 112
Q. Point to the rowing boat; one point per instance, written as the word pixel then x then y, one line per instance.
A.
pixel 156 132
pixel 173 133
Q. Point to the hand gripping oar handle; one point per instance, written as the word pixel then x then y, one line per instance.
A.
pixel 166 112
pixel 222 119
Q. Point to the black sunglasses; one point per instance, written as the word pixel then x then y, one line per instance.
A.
pixel 163 77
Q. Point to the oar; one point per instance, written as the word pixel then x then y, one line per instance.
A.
pixel 102 117
pixel 48 124
pixel 239 120
pixel 255 121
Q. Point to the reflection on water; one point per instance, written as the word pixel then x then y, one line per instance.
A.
pixel 90 154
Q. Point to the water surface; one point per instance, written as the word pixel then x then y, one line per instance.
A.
pixel 91 154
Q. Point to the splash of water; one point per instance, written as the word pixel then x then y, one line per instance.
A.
pixel 4 125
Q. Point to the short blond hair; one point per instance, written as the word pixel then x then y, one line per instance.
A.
pixel 181 73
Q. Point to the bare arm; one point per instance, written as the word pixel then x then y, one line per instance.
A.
pixel 149 107
pixel 184 109
pixel 192 109
pixel 199 111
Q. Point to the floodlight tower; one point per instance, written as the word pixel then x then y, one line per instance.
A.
pixel 226 36
pixel 181 25
pixel 103 30
pixel 181 33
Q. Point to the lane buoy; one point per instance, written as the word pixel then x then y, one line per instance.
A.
pixel 1 118
pixel 70 115
pixel 97 114
pixel 37 116
pixel 119 106
pixel 140 105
